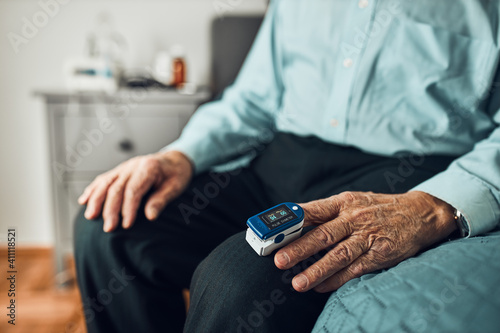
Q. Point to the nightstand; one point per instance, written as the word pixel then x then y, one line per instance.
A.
pixel 90 133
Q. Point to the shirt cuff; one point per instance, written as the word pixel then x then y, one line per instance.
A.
pixel 467 194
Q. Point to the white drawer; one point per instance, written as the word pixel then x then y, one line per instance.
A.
pixel 97 140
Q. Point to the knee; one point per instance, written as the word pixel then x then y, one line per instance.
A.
pixel 234 289
pixel 232 266
pixel 239 286
pixel 87 235
pixel 90 238
pixel 91 241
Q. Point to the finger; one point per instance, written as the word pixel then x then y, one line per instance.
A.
pixel 341 256
pixel 84 197
pixel 168 191
pixel 320 238
pixel 363 265
pixel 96 200
pixel 113 204
pixel 138 184
pixel 324 210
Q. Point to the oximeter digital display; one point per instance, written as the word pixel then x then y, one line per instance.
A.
pixel 274 228
pixel 277 216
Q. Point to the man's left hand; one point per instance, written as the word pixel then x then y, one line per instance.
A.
pixel 364 232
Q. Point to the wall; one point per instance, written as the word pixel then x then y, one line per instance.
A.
pixel 148 25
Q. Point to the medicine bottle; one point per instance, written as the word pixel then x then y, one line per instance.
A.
pixel 178 66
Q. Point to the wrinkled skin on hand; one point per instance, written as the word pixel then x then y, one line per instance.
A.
pixel 117 193
pixel 364 232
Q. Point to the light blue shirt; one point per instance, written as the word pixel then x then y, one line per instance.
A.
pixel 390 77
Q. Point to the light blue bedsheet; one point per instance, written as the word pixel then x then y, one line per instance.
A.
pixel 454 287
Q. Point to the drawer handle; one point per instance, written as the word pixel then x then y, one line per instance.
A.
pixel 126 145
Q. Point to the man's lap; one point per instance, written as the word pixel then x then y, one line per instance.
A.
pixel 166 252
pixel 450 288
pixel 235 290
pixel 453 287
pixel 207 213
pixel 161 255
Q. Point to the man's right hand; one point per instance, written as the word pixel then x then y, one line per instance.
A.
pixel 120 190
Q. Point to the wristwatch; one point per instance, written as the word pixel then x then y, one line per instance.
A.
pixel 463 227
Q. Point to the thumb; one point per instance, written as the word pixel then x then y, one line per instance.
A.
pixel 157 201
pixel 321 211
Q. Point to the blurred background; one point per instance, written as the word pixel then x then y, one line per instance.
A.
pixel 86 84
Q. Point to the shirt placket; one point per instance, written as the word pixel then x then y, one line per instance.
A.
pixel 349 54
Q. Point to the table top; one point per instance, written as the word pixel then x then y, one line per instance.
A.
pixel 59 96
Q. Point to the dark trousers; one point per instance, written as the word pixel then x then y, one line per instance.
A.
pixel 131 280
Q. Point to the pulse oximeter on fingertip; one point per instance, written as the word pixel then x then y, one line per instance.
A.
pixel 275 227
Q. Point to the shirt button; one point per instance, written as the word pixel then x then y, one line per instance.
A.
pixel 348 62
pixel 363 4
pixel 334 122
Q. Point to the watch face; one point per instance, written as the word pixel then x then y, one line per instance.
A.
pixel 277 216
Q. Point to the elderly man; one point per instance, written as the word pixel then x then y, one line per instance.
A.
pixel 380 118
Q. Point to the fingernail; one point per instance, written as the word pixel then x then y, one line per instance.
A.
pixel 87 215
pixel 283 259
pixel 301 281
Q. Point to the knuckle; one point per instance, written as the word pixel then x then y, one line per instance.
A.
pixel 343 254
pixel 99 192
pixel 176 187
pixel 136 186
pixel 107 213
pixel 361 215
pixel 134 159
pixel 317 272
pixel 387 247
pixel 348 196
pixel 297 250
pixel 315 211
pixel 359 269
pixel 115 190
pixel 131 192
pixel 322 236
pixel 99 178
pixel 127 165
pixel 384 248
pixel 150 163
pixel 344 225
pixel 157 204
pixel 105 179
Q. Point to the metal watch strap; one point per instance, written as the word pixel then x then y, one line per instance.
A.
pixel 462 224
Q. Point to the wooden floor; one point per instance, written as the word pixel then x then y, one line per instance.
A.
pixel 40 306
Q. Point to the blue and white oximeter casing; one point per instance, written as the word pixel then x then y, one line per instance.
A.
pixel 275 227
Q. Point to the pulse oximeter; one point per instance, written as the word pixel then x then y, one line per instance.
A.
pixel 274 228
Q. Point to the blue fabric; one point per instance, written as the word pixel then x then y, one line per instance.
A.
pixel 451 288
pixel 387 76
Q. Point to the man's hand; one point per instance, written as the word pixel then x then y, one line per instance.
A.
pixel 364 232
pixel 120 190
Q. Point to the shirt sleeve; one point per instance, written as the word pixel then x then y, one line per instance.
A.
pixel 244 118
pixel 471 184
